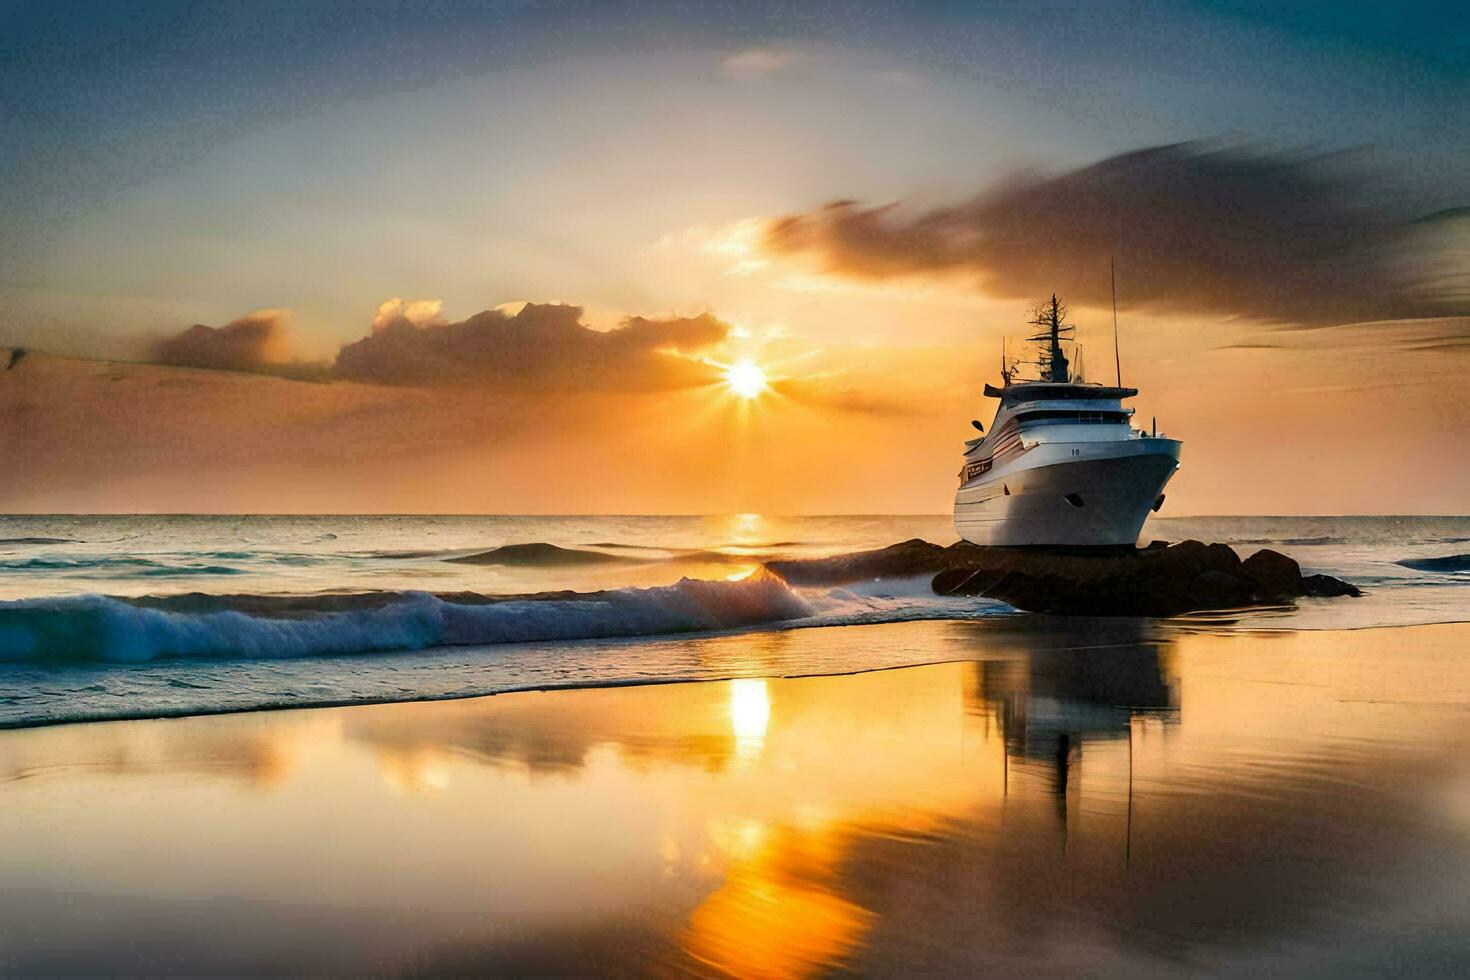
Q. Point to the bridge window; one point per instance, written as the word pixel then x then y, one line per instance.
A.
pixel 1073 418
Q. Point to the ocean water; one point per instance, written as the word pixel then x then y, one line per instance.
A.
pixel 136 616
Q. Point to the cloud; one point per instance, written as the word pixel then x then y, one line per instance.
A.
pixel 826 392
pixel 418 312
pixel 1275 237
pixel 753 62
pixel 537 348
pixel 258 341
pixel 543 346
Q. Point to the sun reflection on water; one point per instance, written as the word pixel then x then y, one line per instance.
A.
pixel 750 715
pixel 750 707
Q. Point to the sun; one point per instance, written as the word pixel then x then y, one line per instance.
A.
pixel 746 378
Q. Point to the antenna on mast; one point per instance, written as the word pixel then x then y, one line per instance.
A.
pixel 1117 359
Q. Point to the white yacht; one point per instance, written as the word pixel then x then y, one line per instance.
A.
pixel 1062 464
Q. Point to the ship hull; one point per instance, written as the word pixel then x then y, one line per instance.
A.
pixel 1068 495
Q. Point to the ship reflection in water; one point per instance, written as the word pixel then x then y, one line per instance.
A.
pixel 1099 797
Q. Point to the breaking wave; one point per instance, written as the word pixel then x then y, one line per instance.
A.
pixel 1448 563
pixel 112 630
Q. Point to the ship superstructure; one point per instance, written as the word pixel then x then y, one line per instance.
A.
pixel 1062 464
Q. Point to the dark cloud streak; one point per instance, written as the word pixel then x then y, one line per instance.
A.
pixel 256 342
pixel 1275 237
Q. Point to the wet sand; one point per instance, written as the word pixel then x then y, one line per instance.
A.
pixel 1140 801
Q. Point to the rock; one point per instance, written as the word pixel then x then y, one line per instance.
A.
pixel 965 581
pixel 1221 557
pixel 1214 589
pixel 1038 593
pixel 1327 587
pixel 1197 554
pixel 1272 575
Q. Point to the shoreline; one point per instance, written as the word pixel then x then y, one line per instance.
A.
pixel 432 698
pixel 1180 624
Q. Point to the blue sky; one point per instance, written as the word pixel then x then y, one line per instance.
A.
pixel 122 119
pixel 117 91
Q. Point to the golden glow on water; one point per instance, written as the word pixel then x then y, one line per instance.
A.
pixel 760 925
pixel 1063 801
pixel 425 770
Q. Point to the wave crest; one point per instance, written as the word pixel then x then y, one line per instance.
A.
pixel 112 630
pixel 1448 563
pixel 537 553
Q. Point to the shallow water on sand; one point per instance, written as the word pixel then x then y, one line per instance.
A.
pixel 1116 798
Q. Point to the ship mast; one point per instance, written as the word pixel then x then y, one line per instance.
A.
pixel 1050 317
pixel 1117 357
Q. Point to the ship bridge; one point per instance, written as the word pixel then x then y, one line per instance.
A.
pixel 1029 391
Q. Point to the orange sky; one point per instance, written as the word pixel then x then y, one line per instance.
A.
pixel 294 308
pixel 858 429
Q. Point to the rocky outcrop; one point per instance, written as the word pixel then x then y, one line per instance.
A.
pixel 1167 581
pixel 1153 581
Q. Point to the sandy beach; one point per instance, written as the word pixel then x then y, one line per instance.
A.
pixel 1144 801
